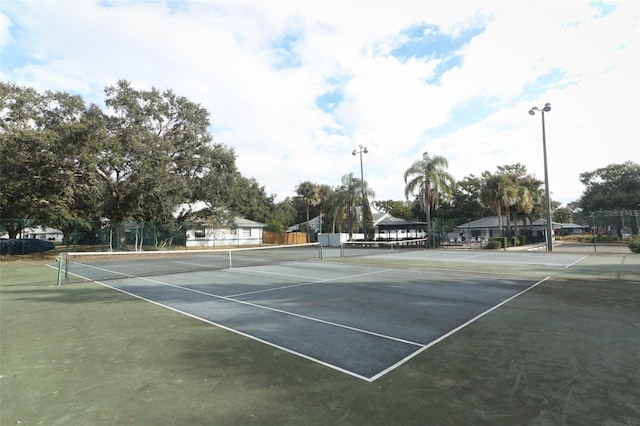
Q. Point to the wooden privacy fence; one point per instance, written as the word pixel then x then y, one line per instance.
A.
pixel 284 237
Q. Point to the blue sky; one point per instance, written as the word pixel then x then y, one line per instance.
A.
pixel 294 87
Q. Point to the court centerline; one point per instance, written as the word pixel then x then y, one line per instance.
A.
pixel 315 281
pixel 306 317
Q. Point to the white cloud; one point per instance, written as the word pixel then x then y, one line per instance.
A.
pixel 230 58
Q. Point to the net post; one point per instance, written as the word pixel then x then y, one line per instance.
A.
pixel 60 260
pixel 230 261
pixel 66 267
pixel 320 246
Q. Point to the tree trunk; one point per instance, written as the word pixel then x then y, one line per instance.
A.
pixel 508 214
pixel 429 222
pixel 308 224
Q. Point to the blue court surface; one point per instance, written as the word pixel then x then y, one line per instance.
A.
pixel 361 319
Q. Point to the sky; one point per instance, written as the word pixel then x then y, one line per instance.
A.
pixel 294 87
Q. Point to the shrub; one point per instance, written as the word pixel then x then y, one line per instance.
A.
pixel 274 225
pixel 634 244
pixel 493 244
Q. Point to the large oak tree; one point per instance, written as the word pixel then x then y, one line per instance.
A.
pixel 613 193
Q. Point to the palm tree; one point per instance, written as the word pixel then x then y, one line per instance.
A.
pixel 348 194
pixel 523 205
pixel 324 196
pixel 512 190
pixel 509 197
pixel 338 209
pixel 497 192
pixel 536 193
pixel 429 178
pixel 490 195
pixel 515 193
pixel 346 197
pixel 309 193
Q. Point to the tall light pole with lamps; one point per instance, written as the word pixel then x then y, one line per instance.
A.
pixel 547 201
pixel 361 150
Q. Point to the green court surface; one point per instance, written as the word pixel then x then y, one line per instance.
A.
pixel 564 352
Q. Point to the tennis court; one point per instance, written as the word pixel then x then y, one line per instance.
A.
pixel 362 315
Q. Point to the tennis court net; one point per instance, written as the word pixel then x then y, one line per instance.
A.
pixel 368 248
pixel 98 266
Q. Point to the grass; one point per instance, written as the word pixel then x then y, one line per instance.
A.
pixel 565 353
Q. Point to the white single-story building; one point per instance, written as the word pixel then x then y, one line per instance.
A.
pixel 572 229
pixel 204 233
pixel 489 227
pixel 39 232
pixel 241 231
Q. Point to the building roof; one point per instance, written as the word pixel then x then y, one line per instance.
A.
pixel 241 222
pixel 198 206
pixel 378 219
pixel 492 222
pixel 572 226
pixel 401 224
pixel 314 225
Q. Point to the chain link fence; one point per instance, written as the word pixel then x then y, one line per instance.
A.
pixel 470 232
pixel 100 235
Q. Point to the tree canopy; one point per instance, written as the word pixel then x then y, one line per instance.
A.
pixel 613 192
pixel 148 152
pixel 429 180
pixel 138 159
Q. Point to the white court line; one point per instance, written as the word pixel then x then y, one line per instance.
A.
pixel 314 281
pixel 500 260
pixel 421 347
pixel 238 332
pixel 455 330
pixel 573 263
pixel 511 262
pixel 248 271
pixel 462 258
pixel 454 259
pixel 124 275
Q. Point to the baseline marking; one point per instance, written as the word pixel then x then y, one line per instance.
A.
pixel 460 327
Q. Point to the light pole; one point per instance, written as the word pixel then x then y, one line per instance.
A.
pixel 361 150
pixel 547 201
